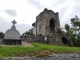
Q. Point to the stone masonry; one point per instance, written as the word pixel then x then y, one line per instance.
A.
pixel 47 24
pixel 12 36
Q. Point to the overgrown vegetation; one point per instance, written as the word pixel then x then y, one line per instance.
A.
pixel 30 32
pixel 9 51
pixel 73 31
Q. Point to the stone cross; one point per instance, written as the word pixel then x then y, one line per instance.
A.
pixel 14 22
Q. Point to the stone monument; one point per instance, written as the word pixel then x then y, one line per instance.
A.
pixel 12 36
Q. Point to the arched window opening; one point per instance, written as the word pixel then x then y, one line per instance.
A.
pixel 64 40
pixel 52 25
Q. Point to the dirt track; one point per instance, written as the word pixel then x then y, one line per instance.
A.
pixel 26 44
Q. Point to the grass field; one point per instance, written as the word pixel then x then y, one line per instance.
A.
pixel 10 51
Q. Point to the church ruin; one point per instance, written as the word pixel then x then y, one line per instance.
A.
pixel 47 24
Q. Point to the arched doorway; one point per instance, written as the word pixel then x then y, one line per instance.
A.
pixel 52 25
pixel 64 40
pixel 40 34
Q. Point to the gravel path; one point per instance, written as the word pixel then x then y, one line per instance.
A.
pixel 53 57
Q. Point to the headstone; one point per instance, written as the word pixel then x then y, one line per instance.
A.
pixel 12 36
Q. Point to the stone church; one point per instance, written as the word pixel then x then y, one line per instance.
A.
pixel 47 24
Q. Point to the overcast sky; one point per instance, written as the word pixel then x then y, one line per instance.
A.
pixel 25 12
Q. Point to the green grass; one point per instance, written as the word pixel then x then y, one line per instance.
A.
pixel 57 49
pixel 15 51
pixel 8 51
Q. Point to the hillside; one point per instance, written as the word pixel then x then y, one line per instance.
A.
pixel 37 50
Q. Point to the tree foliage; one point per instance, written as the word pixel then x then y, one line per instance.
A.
pixel 30 32
pixel 1 35
pixel 73 31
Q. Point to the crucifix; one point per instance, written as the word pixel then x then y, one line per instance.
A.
pixel 14 22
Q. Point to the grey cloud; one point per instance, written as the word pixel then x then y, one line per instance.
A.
pixel 11 12
pixel 35 3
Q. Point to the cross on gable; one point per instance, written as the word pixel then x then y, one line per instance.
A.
pixel 14 22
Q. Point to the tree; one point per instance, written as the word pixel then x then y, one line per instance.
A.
pixel 73 31
pixel 69 32
pixel 75 22
pixel 1 35
pixel 77 41
pixel 67 28
pixel 30 32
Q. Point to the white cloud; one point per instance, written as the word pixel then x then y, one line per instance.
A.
pixel 46 3
pixel 24 10
pixel 65 9
pixel 27 10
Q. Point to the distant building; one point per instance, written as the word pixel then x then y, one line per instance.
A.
pixel 47 24
pixel 12 36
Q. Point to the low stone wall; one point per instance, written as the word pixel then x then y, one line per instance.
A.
pixel 28 38
pixel 55 39
pixel 52 57
pixel 32 38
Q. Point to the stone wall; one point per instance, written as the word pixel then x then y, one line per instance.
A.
pixel 55 39
pixel 32 38
pixel 28 38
